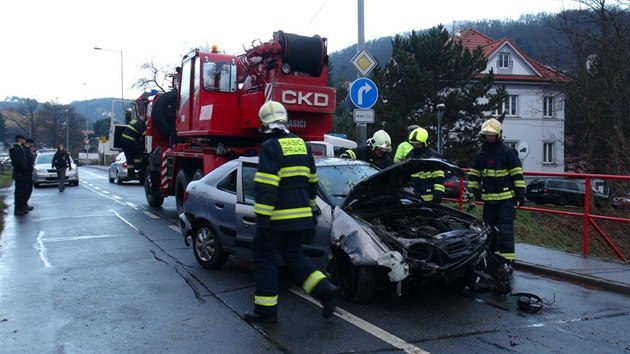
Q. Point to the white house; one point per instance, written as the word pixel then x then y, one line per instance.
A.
pixel 534 116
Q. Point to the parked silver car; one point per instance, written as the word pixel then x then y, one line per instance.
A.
pixel 45 174
pixel 118 171
pixel 373 228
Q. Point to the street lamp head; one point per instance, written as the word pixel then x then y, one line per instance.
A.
pixel 441 106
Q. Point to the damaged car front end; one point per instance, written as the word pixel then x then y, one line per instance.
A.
pixel 383 227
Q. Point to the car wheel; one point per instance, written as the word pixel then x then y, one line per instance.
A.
pixel 181 182
pixel 111 179
pixel 75 183
pixel 356 284
pixel 207 247
pixel 152 192
pixel 117 179
pixel 561 201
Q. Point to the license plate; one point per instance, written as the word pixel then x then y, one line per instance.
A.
pixel 534 190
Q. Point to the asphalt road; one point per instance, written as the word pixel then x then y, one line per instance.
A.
pixel 94 269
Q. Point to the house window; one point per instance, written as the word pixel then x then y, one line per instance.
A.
pixel 509 107
pixel 504 61
pixel 512 144
pixel 547 106
pixel 548 153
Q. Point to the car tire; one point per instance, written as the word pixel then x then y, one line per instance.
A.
pixel 74 183
pixel 207 247
pixel 181 182
pixel 117 179
pixel 561 201
pixel 152 192
pixel 111 180
pixel 163 113
pixel 356 284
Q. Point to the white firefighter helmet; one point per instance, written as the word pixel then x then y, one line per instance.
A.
pixel 272 116
pixel 491 127
pixel 418 135
pixel 380 140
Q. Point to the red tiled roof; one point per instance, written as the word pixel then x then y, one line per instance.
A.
pixel 472 39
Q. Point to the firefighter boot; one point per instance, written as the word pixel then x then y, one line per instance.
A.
pixel 260 318
pixel 326 293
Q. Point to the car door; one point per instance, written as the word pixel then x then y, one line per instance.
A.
pixel 220 201
pixel 244 211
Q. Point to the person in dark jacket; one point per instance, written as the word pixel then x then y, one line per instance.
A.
pixel 133 144
pixel 498 172
pixel 428 184
pixel 21 170
pixel 30 159
pixel 375 152
pixel 61 162
pixel 285 191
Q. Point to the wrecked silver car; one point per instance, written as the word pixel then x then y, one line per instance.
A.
pixel 372 227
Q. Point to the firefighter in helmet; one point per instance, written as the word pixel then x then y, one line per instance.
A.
pixel 285 187
pixel 403 148
pixel 428 184
pixel 375 152
pixel 133 144
pixel 498 173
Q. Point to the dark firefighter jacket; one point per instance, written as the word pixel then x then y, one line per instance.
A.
pixel 365 153
pixel 131 136
pixel 498 171
pixel 285 184
pixel 429 184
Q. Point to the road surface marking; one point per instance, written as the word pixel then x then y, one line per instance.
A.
pixel 366 326
pixel 106 192
pixel 132 205
pixel 42 249
pixel 174 228
pixel 73 217
pixel 97 188
pixel 123 219
pixel 83 170
pixel 150 214
pixel 75 238
pixel 116 197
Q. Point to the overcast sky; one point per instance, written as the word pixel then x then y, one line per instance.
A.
pixel 46 47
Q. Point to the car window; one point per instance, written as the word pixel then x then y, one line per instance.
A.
pixel 555 184
pixel 338 180
pixel 248 183
pixel 228 184
pixel 44 158
pixel 573 186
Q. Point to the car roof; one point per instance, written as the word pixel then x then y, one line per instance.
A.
pixel 320 161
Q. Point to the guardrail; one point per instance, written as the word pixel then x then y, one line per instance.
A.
pixel 588 218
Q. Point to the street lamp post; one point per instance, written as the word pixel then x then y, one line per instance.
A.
pixel 67 130
pixel 440 115
pixel 122 93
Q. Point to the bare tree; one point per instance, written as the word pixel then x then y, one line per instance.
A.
pixel 597 110
pixel 157 78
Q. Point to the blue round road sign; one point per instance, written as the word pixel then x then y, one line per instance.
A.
pixel 363 93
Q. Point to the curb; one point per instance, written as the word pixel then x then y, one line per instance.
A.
pixel 606 284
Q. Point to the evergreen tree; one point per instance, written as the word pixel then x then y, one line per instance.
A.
pixel 429 69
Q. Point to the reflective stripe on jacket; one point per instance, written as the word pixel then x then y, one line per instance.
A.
pixel 285 184
pixel 497 170
pixel 428 184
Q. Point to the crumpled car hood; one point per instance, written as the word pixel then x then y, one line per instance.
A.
pixel 396 178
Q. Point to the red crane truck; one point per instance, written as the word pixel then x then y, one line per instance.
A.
pixel 211 115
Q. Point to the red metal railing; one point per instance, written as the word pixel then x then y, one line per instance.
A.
pixel 588 218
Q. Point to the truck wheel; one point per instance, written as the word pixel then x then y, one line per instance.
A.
pixel 197 175
pixel 181 182
pixel 207 247
pixel 356 284
pixel 152 192
pixel 163 113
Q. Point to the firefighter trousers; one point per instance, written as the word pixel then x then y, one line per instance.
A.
pixel 501 215
pixel 266 247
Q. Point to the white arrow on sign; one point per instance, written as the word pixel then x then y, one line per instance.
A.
pixel 363 89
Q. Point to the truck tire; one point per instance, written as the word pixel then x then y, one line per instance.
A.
pixel 163 113
pixel 181 182
pixel 152 192
pixel 197 175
